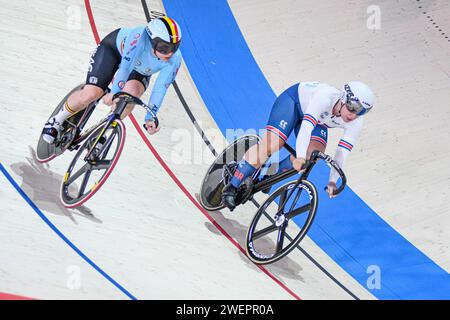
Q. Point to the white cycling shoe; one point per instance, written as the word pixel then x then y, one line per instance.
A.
pixel 51 130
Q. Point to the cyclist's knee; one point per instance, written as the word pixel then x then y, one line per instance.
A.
pixel 89 94
pixel 315 145
pixel 134 87
pixel 270 144
pixel 273 143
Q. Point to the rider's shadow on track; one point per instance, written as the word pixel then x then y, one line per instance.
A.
pixel 286 267
pixel 42 185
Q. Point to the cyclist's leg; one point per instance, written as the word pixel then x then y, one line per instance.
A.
pixel 258 154
pixel 319 138
pixel 136 86
pixel 102 66
pixel 80 99
pixel 282 120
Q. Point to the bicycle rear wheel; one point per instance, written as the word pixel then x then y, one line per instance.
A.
pixel 210 196
pixel 267 238
pixel 45 151
pixel 93 173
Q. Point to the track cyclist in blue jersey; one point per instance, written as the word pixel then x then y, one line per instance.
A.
pixel 309 109
pixel 128 57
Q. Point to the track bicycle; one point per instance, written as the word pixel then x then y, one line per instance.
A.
pixel 297 200
pixel 98 148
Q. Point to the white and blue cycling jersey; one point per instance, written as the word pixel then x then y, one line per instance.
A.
pixel 306 108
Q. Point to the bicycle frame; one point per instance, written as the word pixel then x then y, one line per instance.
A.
pixel 105 122
pixel 315 155
pixel 78 127
pixel 80 138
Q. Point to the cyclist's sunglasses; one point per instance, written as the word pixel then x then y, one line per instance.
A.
pixel 165 47
pixel 355 106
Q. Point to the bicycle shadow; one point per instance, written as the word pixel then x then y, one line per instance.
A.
pixel 286 267
pixel 42 185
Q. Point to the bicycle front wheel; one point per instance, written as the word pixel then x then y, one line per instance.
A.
pixel 85 177
pixel 267 237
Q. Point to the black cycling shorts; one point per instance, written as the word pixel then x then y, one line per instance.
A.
pixel 105 61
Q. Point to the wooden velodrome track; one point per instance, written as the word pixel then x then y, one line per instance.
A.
pixel 141 229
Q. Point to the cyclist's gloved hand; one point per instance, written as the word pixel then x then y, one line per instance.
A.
pixel 108 99
pixel 298 163
pixel 331 188
pixel 149 117
pixel 151 124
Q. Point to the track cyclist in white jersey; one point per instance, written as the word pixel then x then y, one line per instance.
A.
pixel 309 108
pixel 130 56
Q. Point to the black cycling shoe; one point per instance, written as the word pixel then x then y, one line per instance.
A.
pixel 229 194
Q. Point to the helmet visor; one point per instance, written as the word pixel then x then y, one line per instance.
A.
pixel 355 106
pixel 164 47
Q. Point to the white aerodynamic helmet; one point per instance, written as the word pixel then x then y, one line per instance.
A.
pixel 165 34
pixel 358 97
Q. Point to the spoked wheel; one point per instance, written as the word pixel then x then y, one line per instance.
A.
pixel 267 236
pixel 46 152
pixel 84 178
pixel 211 190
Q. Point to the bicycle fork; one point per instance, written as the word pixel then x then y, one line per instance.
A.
pixel 110 121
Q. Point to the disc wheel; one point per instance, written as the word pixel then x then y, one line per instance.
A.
pixel 210 196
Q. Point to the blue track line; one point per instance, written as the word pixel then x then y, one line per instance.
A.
pixel 62 236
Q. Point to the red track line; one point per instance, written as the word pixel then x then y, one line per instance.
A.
pixel 176 180
pixel 5 296
pixel 87 4
pixel 195 202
